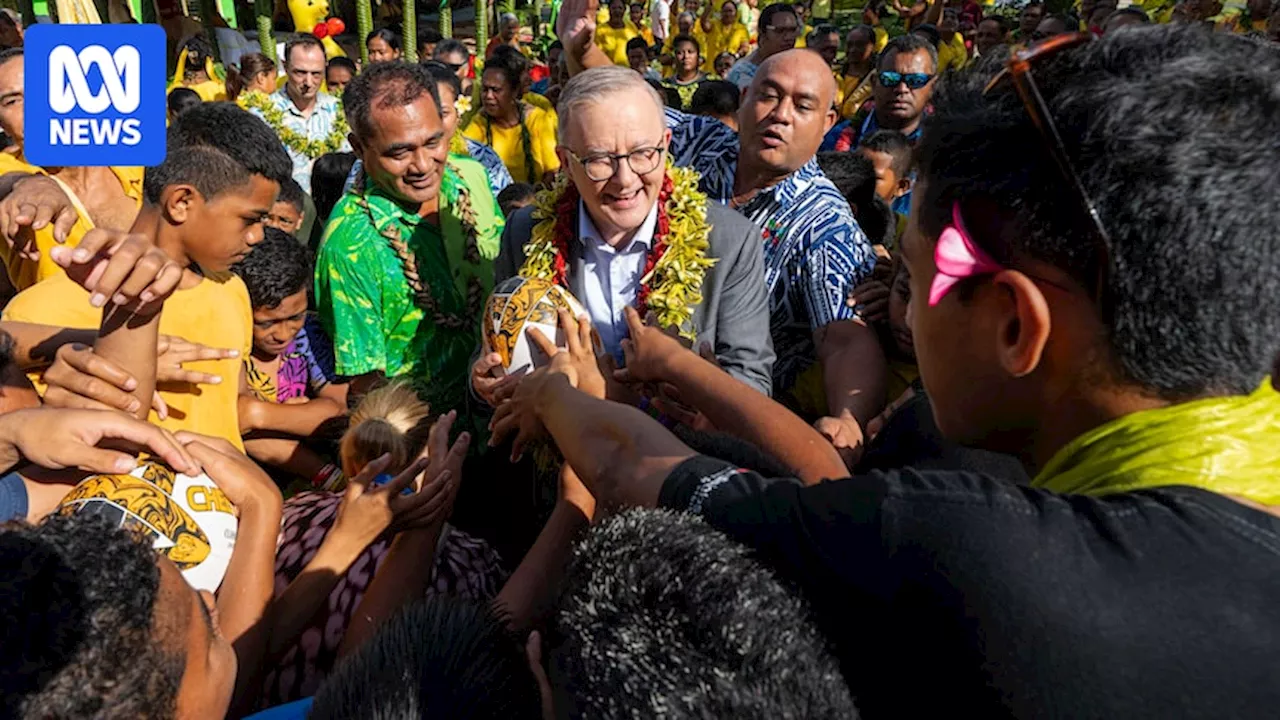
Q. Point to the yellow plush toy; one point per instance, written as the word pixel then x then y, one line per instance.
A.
pixel 307 14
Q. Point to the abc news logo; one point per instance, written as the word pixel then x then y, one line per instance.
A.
pixel 97 95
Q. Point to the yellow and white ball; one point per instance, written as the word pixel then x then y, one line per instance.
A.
pixel 518 304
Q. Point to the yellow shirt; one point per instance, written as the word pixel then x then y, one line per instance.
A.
pixel 13 163
pixel 24 272
pixel 882 38
pixel 216 314
pixel 952 55
pixel 854 91
pixel 509 143
pixel 613 41
pixel 722 38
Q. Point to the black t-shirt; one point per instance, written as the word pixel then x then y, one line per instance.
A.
pixel 949 592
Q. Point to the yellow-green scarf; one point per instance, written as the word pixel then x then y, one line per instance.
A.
pixel 1229 445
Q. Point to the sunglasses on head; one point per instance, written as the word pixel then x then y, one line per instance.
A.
pixel 915 81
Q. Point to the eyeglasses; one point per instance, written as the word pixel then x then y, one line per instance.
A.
pixel 1018 70
pixel 915 81
pixel 603 166
pixel 453 66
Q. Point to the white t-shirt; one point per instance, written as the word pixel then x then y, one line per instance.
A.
pixel 660 18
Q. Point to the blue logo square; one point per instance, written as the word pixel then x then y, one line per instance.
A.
pixel 95 95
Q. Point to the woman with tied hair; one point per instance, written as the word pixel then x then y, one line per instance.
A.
pixel 523 135
pixel 257 73
pixel 358 553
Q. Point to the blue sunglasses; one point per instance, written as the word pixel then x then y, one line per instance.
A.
pixel 915 81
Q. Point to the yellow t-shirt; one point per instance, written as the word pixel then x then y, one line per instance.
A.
pixel 24 272
pixel 882 38
pixel 509 144
pixel 952 55
pixel 721 38
pixel 854 91
pixel 14 163
pixel 613 41
pixel 216 314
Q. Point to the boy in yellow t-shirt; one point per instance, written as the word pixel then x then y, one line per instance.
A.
pixel 205 207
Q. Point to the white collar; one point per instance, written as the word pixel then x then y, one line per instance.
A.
pixel 588 233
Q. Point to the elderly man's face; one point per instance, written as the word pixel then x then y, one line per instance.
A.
pixel 509 29
pixel 787 110
pixel 625 121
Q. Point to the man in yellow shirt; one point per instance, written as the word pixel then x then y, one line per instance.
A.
pixel 206 204
pixel 613 36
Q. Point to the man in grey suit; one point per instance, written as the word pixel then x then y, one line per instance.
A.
pixel 613 142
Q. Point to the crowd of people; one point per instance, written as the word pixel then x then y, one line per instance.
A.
pixel 923 366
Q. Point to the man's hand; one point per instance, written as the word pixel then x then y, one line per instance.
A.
pixel 487 378
pixel 871 301
pixel 173 352
pixel 519 415
pixel 239 478
pixel 33 203
pixel 576 26
pixel 845 434
pixel 125 268
pixel 58 439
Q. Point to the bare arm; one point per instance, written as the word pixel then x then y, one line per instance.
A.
pixel 576 28
pixel 853 367
pixel 34 345
pixel 301 419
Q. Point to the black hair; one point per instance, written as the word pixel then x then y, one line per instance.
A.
pixel 821 29
pixel 390 84
pixel 1069 22
pixel 894 144
pixel 291 192
pixel 928 31
pixel 237 133
pixel 443 75
pixel 637 43
pixel 10 53
pixel 510 63
pixel 80 594
pixel 440 657
pixel 250 66
pixel 555 45
pixel 304 40
pixel 910 43
pixel 513 194
pixel 182 99
pixel 663 616
pixel 199 51
pixel 1186 195
pixel 1132 10
pixel 428 36
pixel 768 14
pixel 854 175
pixel 670 96
pixel 343 62
pixel 866 30
pixel 209 170
pixel 449 46
pixel 716 98
pixel 328 177
pixel 274 269
pixel 687 39
pixel 389 36
pixel 999 20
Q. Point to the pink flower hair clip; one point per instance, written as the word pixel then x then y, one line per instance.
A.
pixel 957 257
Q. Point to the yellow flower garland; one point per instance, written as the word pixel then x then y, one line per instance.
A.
pixel 676 280
pixel 256 100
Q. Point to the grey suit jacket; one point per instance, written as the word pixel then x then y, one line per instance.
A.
pixel 734 313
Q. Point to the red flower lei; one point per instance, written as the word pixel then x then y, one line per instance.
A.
pixel 564 232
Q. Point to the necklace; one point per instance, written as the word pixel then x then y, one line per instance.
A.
pixel 674 268
pixel 292 139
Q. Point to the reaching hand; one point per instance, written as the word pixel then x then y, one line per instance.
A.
pixel 33 203
pixel 239 478
pixel 58 439
pixel 443 475
pixel 367 510
pixel 173 352
pixel 519 414
pixel 579 361
pixel 576 26
pixel 845 434
pixel 487 378
pixel 648 352
pixel 870 301
pixel 125 268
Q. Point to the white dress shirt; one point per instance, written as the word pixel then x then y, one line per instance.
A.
pixel 612 278
pixel 660 19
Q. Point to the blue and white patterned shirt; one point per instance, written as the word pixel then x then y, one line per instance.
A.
pixel 317 126
pixel 814 251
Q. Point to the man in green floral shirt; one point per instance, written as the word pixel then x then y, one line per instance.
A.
pixel 407 258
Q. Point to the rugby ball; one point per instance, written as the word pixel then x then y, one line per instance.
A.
pixel 188 518
pixel 518 304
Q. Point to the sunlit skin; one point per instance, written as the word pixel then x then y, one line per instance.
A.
pixel 784 115
pixel 888 185
pixel 405 152
pixel 11 99
pixel 217 233
pixel 688 60
pixel 448 109
pixel 622 122
pixel 274 328
pixel 284 217
pixel 380 51
pixel 336 79
pixel 186 621
pixel 900 107
pixel 304 72
pixel 499 98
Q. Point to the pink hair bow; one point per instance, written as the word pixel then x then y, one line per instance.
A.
pixel 957 258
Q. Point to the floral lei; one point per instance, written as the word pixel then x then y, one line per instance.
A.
pixel 671 284
pixel 255 100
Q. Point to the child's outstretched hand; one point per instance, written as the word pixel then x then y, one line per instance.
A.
pixel 126 269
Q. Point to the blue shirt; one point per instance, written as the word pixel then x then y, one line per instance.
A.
pixel 316 126
pixel 612 278
pixel 814 251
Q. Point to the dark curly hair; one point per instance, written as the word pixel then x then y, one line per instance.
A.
pixel 235 132
pixel 392 84
pixel 79 596
pixel 663 616
pixel 274 269
pixel 1174 134
pixel 510 63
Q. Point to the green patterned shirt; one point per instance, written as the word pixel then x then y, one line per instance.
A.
pixel 367 305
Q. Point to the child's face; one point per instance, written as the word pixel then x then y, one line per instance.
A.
pixel 899 298
pixel 274 328
pixel 285 217
pixel 218 233
pixel 886 178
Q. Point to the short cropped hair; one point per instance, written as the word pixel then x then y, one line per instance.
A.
pixel 181 99
pixel 717 98
pixel 305 40
pixel 895 145
pixel 512 195
pixel 237 133
pixel 274 269
pixel 638 43
pixel 81 596
pixel 291 192
pixel 328 177
pixel 511 63
pixel 1186 195
pixel 663 616
pixel 441 658
pixel 389 84
pixel 685 39
pixel 343 62
pixel 854 175
pixel 907 44
pixel 443 75
pixel 209 170
pixel 449 46
pixel 594 85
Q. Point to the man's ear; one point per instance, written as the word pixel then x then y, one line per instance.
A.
pixel 904 186
pixel 1024 323
pixel 178 202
